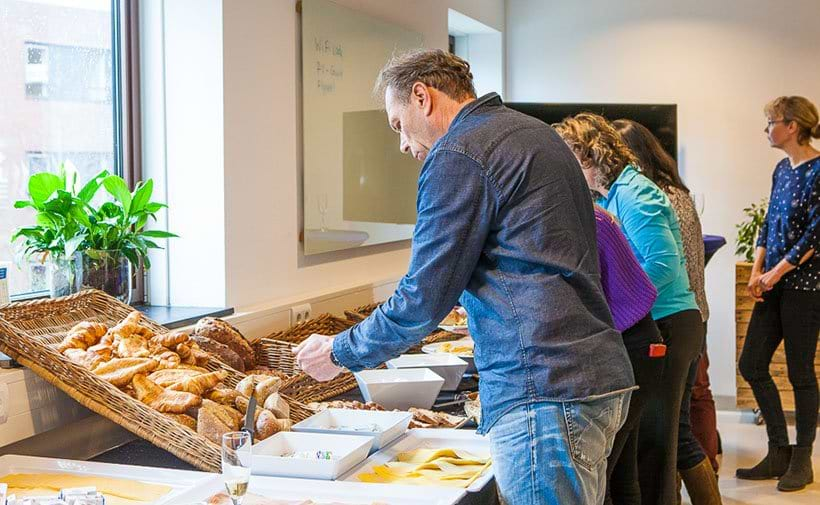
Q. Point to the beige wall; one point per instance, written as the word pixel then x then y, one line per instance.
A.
pixel 719 61
pixel 264 260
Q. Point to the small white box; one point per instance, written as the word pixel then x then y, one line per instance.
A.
pixel 400 388
pixel 348 451
pixel 450 367
pixel 390 425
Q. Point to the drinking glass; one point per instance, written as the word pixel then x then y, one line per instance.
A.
pixel 236 464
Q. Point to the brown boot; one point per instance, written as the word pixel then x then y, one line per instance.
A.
pixel 701 484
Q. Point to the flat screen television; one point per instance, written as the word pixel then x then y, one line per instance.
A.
pixel 660 119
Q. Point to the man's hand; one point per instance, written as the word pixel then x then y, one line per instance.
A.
pixel 313 357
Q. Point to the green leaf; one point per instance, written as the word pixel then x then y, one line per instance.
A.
pixel 132 257
pixel 72 244
pixel 159 234
pixel 79 214
pixel 91 187
pixel 46 220
pixel 119 190
pixel 22 204
pixel 142 195
pixel 155 207
pixel 41 186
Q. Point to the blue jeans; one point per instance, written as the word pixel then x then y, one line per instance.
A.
pixel 555 452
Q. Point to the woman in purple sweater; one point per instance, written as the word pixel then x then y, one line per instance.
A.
pixel 630 295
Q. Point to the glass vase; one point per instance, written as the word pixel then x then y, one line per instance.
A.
pixel 108 271
pixel 64 275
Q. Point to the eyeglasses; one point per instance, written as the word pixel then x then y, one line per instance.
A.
pixel 772 122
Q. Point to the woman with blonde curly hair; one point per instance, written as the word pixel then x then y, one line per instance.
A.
pixel 785 281
pixel 651 227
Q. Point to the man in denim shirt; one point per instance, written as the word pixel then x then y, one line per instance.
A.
pixel 505 223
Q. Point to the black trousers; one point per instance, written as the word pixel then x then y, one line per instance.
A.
pixel 791 316
pixel 622 463
pixel 660 424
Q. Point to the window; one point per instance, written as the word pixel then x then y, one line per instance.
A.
pixel 68 73
pixel 61 93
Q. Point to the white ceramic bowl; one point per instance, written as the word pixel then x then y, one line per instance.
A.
pixel 387 425
pixel 400 388
pixel 348 451
pixel 450 367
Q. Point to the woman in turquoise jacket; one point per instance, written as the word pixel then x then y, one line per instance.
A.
pixel 651 228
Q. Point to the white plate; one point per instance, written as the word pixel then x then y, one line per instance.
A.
pixel 459 328
pixel 436 349
pixel 323 492
pixel 390 424
pixel 432 438
pixel 179 480
pixel 348 450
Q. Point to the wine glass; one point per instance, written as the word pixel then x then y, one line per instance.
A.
pixel 699 199
pixel 236 464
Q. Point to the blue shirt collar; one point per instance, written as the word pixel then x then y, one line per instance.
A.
pixel 627 175
pixel 489 98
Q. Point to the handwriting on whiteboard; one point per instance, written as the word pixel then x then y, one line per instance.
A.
pixel 329 64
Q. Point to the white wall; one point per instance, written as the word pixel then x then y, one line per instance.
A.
pixel 264 260
pixel 719 61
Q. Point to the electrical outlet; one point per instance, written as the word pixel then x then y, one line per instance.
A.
pixel 299 313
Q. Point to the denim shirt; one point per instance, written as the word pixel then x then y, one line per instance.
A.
pixel 505 223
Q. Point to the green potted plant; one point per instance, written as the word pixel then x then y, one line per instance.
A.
pixel 94 246
pixel 54 240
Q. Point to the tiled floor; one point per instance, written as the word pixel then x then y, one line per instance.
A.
pixel 744 444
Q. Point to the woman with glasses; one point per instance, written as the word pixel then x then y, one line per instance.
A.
pixel 785 281
pixel 651 228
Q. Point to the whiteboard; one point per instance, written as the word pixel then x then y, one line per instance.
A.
pixel 358 188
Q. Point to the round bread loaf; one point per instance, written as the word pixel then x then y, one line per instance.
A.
pixel 221 351
pixel 222 332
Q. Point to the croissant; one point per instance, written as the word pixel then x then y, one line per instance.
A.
pixel 83 358
pixel 171 339
pixel 201 358
pixel 185 354
pixel 89 331
pixel 168 359
pixel 103 351
pixel 162 400
pixel 223 396
pixel 132 346
pixel 165 377
pixel 120 371
pixel 199 384
pixel 72 341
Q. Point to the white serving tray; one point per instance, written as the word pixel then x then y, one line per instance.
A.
pixel 400 388
pixel 450 367
pixel 391 424
pixel 180 481
pixel 323 492
pixel 429 438
pixel 349 451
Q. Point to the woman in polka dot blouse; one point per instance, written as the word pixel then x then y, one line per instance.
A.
pixel 785 281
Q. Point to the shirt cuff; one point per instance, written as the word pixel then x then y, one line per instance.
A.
pixel 344 355
pixel 793 257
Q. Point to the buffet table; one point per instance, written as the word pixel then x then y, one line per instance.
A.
pixel 143 454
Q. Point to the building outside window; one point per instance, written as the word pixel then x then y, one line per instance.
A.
pixel 57 83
